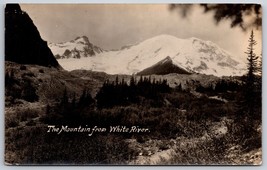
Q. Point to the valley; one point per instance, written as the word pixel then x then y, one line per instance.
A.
pixel 162 101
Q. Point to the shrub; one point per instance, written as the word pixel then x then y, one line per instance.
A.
pixel 13 119
pixel 22 67
pixel 32 145
pixel 29 74
pixel 29 92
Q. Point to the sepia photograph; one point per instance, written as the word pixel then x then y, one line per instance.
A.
pixel 133 84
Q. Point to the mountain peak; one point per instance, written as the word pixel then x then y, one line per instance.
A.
pixel 13 8
pixel 83 39
pixel 164 37
pixel 161 54
pixel 78 48
pixel 168 58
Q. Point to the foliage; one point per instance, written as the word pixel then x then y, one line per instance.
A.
pixel 19 89
pixel 13 119
pixel 220 86
pixel 183 117
pixel 33 147
pixel 29 92
pixel 236 13
pixel 120 93
pixel 251 94
pixel 71 106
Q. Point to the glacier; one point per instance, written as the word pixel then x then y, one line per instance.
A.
pixel 192 54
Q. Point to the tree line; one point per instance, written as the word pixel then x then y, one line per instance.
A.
pixel 69 102
pixel 220 86
pixel 119 92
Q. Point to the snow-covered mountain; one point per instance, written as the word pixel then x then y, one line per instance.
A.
pixel 190 55
pixel 78 48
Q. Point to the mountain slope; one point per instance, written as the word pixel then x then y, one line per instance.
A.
pixel 192 55
pixel 163 67
pixel 80 47
pixel 23 43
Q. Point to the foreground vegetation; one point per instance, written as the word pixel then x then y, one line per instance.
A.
pixel 198 129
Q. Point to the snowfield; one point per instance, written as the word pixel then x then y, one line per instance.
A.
pixel 193 55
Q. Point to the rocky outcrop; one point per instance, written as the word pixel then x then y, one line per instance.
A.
pixel 23 43
pixel 163 67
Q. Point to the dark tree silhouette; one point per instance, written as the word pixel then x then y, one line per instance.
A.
pixel 250 81
pixel 120 93
pixel 252 61
pixel 260 66
pixel 48 109
pixel 132 81
pixel 65 98
pixel 85 99
pixel 29 92
pixel 249 104
pixel 236 13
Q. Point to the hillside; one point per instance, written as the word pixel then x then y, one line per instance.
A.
pixel 48 84
pixel 23 43
pixel 182 121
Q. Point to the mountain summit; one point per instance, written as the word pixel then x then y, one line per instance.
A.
pixel 23 43
pixel 78 48
pixel 189 55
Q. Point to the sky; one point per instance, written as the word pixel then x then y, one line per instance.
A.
pixel 112 26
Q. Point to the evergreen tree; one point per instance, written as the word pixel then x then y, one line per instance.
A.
pixel 250 90
pixel 48 109
pixel 117 80
pixel 252 60
pixel 132 81
pixel 86 98
pixel 249 101
pixel 179 87
pixel 65 99
pixel 260 66
pixel 123 82
pixel 120 93
pixel 29 92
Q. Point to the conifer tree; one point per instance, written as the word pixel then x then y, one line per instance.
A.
pixel 251 75
pixel 117 80
pixel 260 66
pixel 65 98
pixel 132 81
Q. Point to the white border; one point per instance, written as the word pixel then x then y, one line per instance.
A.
pixel 264 94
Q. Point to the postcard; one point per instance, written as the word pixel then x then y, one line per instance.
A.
pixel 133 84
